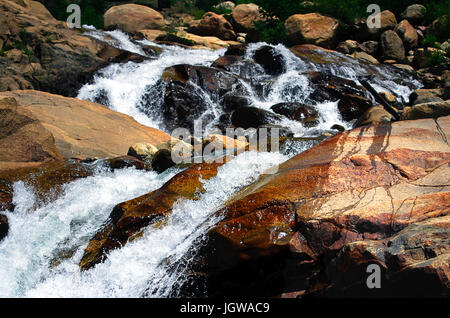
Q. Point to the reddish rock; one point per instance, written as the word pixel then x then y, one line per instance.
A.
pixel 360 187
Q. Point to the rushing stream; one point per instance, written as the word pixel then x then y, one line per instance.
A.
pixel 40 255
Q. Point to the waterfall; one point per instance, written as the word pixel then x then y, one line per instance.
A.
pixel 40 255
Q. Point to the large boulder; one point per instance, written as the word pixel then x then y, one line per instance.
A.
pixel 312 28
pixel 382 187
pixel 133 17
pixel 408 34
pixel 84 129
pixel 392 46
pixel 244 16
pixel 4 226
pixel 214 25
pixel 414 13
pixel 129 218
pixel 272 61
pixel 24 141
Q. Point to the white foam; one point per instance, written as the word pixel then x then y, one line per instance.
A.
pixel 142 267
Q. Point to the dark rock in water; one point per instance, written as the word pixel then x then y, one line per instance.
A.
pixel 338 127
pixel 353 106
pixel 210 79
pixel 370 47
pixel 162 160
pixel 126 162
pixel 183 101
pixel 101 97
pixel 116 55
pixel 47 180
pixel 272 61
pixel 282 131
pixel 4 226
pixel 231 101
pixel 246 117
pixel 305 114
pixel 183 104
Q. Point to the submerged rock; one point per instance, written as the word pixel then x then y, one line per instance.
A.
pixel 47 180
pixel 358 188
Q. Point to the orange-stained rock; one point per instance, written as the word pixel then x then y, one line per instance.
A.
pixel 24 141
pixel 128 218
pixel 84 129
pixel 361 185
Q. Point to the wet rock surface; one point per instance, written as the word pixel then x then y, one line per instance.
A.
pixel 348 202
